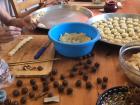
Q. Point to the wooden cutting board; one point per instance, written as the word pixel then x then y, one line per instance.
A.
pixel 26 53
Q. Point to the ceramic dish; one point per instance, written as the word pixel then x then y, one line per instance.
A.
pixel 120 95
pixel 105 97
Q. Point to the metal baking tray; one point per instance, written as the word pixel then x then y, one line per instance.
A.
pixel 110 15
pixel 62 13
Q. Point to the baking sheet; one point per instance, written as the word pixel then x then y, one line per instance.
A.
pixel 111 15
pixel 62 13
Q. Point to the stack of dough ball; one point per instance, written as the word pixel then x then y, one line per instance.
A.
pixel 74 38
pixel 120 30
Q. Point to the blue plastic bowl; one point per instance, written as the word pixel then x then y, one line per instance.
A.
pixel 73 50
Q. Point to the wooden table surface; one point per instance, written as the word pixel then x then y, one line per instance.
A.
pixel 106 55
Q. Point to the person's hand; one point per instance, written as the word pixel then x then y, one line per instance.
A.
pixel 25 22
pixel 9 33
pixel 29 23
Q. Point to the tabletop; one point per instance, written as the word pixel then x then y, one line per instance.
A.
pixel 104 54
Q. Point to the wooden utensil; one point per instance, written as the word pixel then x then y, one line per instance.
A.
pixel 32 62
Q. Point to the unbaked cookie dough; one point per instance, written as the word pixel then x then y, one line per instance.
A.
pixel 74 38
pixel 19 45
pixel 134 61
pixel 119 30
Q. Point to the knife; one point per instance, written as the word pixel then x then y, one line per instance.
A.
pixel 42 50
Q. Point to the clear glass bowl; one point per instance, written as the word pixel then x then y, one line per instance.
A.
pixel 125 53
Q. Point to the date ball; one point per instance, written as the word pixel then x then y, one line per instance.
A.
pixel 19 83
pixel 16 93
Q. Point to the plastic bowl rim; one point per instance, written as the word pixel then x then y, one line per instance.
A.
pixel 98 37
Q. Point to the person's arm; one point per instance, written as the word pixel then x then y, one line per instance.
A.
pixel 18 22
pixel 4 16
pixel 7 33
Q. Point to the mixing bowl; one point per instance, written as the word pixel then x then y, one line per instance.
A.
pixel 73 49
pixel 125 53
